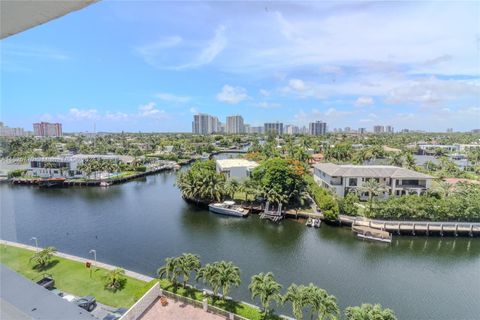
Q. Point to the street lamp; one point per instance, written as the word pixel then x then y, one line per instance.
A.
pixel 94 256
pixel 36 242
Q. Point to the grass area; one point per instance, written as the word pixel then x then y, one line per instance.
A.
pixel 73 277
pixel 236 307
pixel 240 196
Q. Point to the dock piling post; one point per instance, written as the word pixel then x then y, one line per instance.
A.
pixel 441 229
pixel 428 229
pixel 413 231
pixel 456 229
pixel 399 228
pixel 471 230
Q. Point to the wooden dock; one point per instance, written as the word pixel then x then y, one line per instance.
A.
pixel 427 228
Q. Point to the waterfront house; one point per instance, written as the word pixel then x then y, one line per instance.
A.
pixel 65 166
pixel 395 181
pixel 236 168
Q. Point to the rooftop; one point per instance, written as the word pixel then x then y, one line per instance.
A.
pixel 232 163
pixel 24 299
pixel 369 171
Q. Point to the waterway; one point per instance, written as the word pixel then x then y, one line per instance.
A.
pixel 138 224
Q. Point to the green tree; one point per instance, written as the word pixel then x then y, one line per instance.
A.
pixel 42 258
pixel 228 275
pixel 170 270
pixel 188 263
pixel 115 279
pixel 348 204
pixel 369 312
pixel 373 188
pixel 266 288
pixel 296 296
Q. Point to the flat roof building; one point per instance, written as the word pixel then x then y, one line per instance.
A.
pixel 236 168
pixel 395 181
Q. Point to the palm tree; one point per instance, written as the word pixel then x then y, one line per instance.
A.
pixel 373 188
pixel 170 270
pixel 42 258
pixel 444 188
pixel 231 187
pixel 265 286
pixel 227 275
pixel 115 279
pixel 187 263
pixel 322 303
pixel 368 311
pixel 296 296
pixel 208 274
pixel 410 161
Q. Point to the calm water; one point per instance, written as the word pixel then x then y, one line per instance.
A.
pixel 137 224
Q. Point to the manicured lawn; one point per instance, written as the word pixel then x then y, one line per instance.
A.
pixel 73 277
pixel 236 307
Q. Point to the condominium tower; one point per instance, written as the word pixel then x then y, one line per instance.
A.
pixel 273 127
pixel 205 124
pixel 46 129
pixel 317 128
pixel 235 124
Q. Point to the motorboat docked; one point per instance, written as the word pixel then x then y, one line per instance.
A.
pixel 228 208
pixel 369 233
pixel 105 184
pixel 314 222
pixel 51 182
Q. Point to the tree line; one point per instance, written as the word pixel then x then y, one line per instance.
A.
pixel 303 299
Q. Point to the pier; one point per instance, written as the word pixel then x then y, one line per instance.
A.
pixel 426 228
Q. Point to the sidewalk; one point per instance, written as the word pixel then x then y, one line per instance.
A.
pixel 129 273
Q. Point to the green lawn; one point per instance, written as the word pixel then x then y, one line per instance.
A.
pixel 73 277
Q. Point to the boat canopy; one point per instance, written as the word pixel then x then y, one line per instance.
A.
pixel 229 203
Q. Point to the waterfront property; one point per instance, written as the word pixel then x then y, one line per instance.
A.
pixel 395 181
pixel 68 166
pixel 236 168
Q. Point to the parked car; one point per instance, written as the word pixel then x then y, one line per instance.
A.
pixel 115 314
pixel 47 282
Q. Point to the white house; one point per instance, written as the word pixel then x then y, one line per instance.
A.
pixel 395 181
pixel 236 168
pixel 64 166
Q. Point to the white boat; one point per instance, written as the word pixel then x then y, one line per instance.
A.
pixel 104 184
pixel 228 208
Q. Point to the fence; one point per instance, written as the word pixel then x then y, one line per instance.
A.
pixel 142 304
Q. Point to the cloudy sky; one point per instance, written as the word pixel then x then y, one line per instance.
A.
pixel 149 66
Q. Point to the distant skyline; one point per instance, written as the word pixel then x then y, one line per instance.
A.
pixel 149 66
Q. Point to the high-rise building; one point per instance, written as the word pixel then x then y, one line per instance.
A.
pixel 449 130
pixel 46 129
pixel 317 128
pixel 291 129
pixel 11 132
pixel 378 129
pixel 348 129
pixel 256 129
pixel 246 128
pixel 235 124
pixel 273 127
pixel 205 124
pixel 389 129
pixel 362 130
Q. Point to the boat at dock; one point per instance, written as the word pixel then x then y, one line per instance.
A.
pixel 51 182
pixel 228 208
pixel 313 222
pixel 368 233
pixel 105 184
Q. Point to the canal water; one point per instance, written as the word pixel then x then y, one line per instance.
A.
pixel 138 224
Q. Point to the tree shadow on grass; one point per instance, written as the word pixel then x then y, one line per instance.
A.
pixel 118 286
pixel 45 267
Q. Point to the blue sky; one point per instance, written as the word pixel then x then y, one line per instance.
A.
pixel 149 66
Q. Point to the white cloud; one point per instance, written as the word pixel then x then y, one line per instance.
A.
pixel 194 110
pixel 268 105
pixel 149 109
pixel 171 97
pixel 264 92
pixel 176 53
pixel 364 101
pixel 232 95
pixel 84 114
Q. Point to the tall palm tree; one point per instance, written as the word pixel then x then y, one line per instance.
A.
pixel 265 287
pixel 170 270
pixel 373 188
pixel 368 311
pixel 296 296
pixel 227 275
pixel 187 263
pixel 208 274
pixel 322 304
pixel 231 187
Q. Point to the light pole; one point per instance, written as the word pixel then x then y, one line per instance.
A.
pixel 94 256
pixel 36 242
